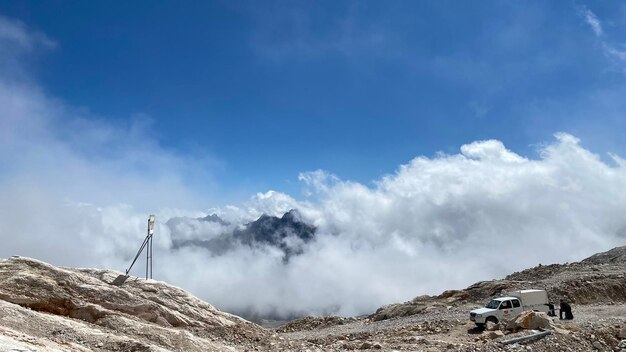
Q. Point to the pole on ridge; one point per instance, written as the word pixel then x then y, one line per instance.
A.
pixel 151 220
pixel 147 244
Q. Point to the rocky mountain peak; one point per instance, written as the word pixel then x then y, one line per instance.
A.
pixel 214 218
pixel 290 233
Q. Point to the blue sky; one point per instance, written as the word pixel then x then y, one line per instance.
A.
pixel 265 90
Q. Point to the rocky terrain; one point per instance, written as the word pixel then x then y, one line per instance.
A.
pixel 45 308
pixel 49 308
pixel 596 287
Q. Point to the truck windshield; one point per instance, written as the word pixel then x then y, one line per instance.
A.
pixel 493 304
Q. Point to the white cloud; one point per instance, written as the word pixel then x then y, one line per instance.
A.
pixel 75 188
pixel 593 21
pixel 619 55
pixel 490 149
pixel 14 33
pixel 18 47
pixel 437 223
pixel 611 51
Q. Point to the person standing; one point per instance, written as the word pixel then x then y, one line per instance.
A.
pixel 565 309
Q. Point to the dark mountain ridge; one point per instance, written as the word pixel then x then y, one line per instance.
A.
pixel 289 233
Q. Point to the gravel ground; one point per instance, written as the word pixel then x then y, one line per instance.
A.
pixel 450 329
pixel 456 314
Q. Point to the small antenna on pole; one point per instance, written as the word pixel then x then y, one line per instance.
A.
pixel 147 242
pixel 151 220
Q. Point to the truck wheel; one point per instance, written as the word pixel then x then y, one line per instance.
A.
pixel 493 320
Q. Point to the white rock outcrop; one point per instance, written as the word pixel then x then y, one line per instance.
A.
pixel 79 310
pixel 531 320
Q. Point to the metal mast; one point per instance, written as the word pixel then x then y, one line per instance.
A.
pixel 149 251
pixel 147 242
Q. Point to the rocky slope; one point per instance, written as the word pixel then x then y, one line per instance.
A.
pixel 599 279
pixel 45 308
pixel 596 286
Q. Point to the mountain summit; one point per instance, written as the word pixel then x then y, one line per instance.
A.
pixel 289 233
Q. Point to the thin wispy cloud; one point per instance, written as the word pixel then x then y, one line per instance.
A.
pixel 593 21
pixel 612 51
pixel 293 32
pixel 19 46
pixel 619 56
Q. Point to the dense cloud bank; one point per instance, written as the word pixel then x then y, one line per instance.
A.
pixel 437 223
pixel 75 190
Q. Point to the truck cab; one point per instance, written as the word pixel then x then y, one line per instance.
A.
pixel 498 309
pixel 508 307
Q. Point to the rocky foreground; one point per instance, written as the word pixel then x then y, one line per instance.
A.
pixel 45 308
pixel 596 287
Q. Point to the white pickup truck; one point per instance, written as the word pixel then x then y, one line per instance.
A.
pixel 504 308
